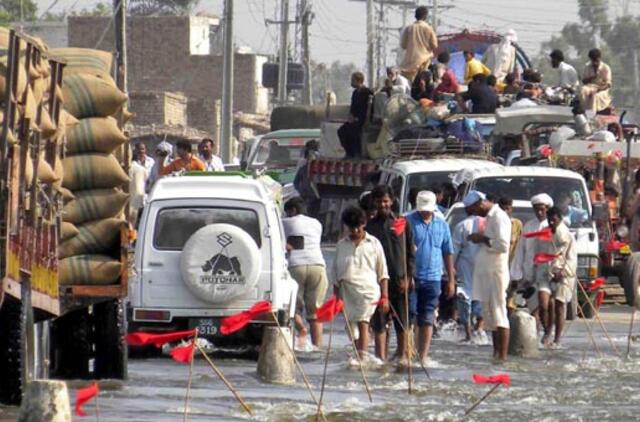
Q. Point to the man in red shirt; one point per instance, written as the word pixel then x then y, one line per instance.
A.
pixel 186 160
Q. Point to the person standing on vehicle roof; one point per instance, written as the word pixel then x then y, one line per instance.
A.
pixel 186 160
pixel 306 265
pixel 350 133
pixel 500 58
pixel 567 75
pixel 400 256
pixel 434 251
pixel 491 273
pixel 419 42
pixel 360 275
pixel 597 81
pixel 211 161
pixel 557 279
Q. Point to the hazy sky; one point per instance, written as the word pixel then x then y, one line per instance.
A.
pixel 338 29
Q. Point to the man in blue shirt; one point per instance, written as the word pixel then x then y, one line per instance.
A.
pixel 434 250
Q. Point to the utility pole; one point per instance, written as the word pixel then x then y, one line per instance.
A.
pixel 120 31
pixel 227 84
pixel 284 38
pixel 306 17
pixel 435 16
pixel 370 46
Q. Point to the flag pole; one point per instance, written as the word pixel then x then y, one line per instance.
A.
pixel 395 314
pixel 633 317
pixel 97 409
pixel 355 350
pixel 224 380
pixel 188 393
pixel 297 363
pixel 597 314
pixel 324 372
pixel 477 403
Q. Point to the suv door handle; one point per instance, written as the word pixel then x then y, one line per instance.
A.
pixel 155 264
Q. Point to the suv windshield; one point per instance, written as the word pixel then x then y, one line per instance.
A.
pixel 568 194
pixel 417 182
pixel 174 226
pixel 279 153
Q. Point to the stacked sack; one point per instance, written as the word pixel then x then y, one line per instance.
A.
pixel 93 218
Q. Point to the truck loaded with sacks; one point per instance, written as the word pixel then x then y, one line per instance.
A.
pixel 64 237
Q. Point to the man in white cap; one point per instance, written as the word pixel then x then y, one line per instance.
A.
pixel 501 57
pixel 163 158
pixel 491 274
pixel 523 268
pixel 434 251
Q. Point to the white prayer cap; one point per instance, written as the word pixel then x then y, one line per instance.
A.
pixel 542 199
pixel 165 146
pixel 473 197
pixel 511 35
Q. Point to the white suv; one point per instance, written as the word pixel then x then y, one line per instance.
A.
pixel 208 246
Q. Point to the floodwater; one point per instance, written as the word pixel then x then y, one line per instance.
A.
pixel 570 384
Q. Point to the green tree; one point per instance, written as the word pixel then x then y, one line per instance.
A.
pixel 162 7
pixel 16 10
pixel 335 77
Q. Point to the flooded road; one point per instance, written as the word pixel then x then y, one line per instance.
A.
pixel 570 384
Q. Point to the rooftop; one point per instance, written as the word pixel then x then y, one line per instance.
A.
pixel 235 187
pixel 442 164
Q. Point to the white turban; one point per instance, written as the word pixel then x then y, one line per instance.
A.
pixel 542 199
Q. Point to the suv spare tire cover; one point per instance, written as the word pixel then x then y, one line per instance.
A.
pixel 220 262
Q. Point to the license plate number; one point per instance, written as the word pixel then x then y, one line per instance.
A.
pixel 205 326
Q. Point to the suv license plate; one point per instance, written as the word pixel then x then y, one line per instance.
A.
pixel 205 326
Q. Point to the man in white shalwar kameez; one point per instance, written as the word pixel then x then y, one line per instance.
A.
pixel 491 272
pixel 500 58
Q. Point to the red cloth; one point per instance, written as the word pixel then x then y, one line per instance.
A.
pixel 598 282
pixel 140 338
pixel 382 301
pixel 599 298
pixel 83 395
pixel 183 354
pixel 332 307
pixel 504 379
pixel 399 225
pixel 449 83
pixel 546 151
pixel 544 234
pixel 543 258
pixel 236 322
pixel 615 245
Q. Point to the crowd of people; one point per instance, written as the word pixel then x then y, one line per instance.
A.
pixel 425 271
pixel 490 81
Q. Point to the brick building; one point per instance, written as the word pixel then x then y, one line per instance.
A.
pixel 173 57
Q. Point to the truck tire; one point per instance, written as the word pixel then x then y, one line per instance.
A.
pixel 12 340
pixel 71 345
pixel 630 277
pixel 109 330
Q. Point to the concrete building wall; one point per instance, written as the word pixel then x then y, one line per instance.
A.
pixel 150 107
pixel 54 34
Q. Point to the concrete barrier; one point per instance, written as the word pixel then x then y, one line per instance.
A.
pixel 523 338
pixel 45 401
pixel 275 363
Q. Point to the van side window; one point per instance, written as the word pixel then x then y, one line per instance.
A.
pixel 174 226
pixel 396 185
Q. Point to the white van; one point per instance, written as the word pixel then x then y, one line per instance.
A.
pixel 208 246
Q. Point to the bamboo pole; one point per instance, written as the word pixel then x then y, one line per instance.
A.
pixel 97 409
pixel 633 317
pixel 224 380
pixel 597 314
pixel 188 393
pixel 483 398
pixel 409 346
pixel 324 372
pixel 588 325
pixel 355 350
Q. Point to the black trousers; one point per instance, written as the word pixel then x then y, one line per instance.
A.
pixel 351 139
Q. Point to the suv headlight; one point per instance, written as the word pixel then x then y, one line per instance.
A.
pixel 587 267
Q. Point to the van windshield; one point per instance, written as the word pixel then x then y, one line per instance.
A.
pixel 568 194
pixel 279 152
pixel 417 182
pixel 174 226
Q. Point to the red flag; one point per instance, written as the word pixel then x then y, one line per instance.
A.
pixel 546 151
pixel 382 301
pixel 83 395
pixel 600 297
pixel 598 282
pixel 332 307
pixel 544 234
pixel 399 225
pixel 236 322
pixel 543 258
pixel 504 379
pixel 143 339
pixel 183 354
pixel 615 245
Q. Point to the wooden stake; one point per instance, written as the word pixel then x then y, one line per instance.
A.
pixel 97 409
pixel 476 404
pixel 355 350
pixel 224 380
pixel 588 325
pixel 633 317
pixel 324 372
pixel 409 333
pixel 409 344
pixel 188 393
pixel 597 314
pixel 295 360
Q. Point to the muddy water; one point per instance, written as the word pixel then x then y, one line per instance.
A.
pixel 572 383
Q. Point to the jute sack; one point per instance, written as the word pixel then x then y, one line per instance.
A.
pixel 47 128
pixel 96 237
pixel 58 171
pixel 92 171
pixel 67 195
pixel 95 134
pixel 85 61
pixel 96 204
pixel 22 78
pixel 67 231
pixel 89 96
pixel 45 172
pixel 96 270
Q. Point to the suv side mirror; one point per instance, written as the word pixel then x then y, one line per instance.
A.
pixel 600 211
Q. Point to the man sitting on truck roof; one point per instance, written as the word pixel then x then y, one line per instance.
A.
pixel 185 161
pixel 448 81
pixel 211 161
pixel 350 132
pixel 399 84
pixel 567 75
pixel 483 98
pixel 597 83
pixel 419 42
